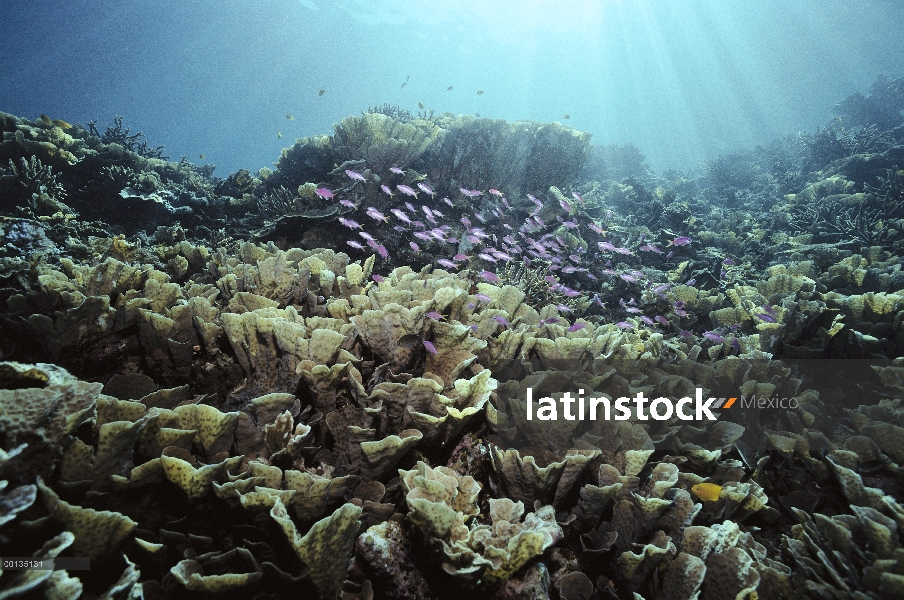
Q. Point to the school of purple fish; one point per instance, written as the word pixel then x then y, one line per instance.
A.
pixel 525 244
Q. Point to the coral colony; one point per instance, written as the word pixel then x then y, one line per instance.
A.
pixel 362 374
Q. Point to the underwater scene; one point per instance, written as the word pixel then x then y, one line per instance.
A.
pixel 437 300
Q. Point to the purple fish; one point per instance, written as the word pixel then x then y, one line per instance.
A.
pixel 577 327
pixel 489 276
pixel 670 254
pixel 414 246
pixel 461 256
pixel 349 223
pixel 483 297
pixel 563 308
pixel 647 320
pixel 430 347
pixel 728 262
pixel 495 192
pixel 680 241
pixel 466 222
pixel 325 193
pixel 597 228
pixel 397 170
pixel 470 193
pixel 378 278
pixel 426 189
pixel 401 216
pixel 661 320
pixel 381 250
pixel 347 203
pixel 407 190
pixel 447 263
pixel 628 277
pixel 714 337
pixel 355 244
pixel 691 282
pixel 355 176
pixel 501 320
pixel 435 315
pixel 386 190
pixel 680 313
pixel 366 236
pixel 373 213
pixel 765 317
pixel 624 325
pixel 564 204
pixel 578 197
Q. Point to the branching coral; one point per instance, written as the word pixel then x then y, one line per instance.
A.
pixel 132 142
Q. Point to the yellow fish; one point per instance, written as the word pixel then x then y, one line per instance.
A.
pixel 708 492
pixel 290 117
pixel 62 124
pixel 202 157
pixel 278 133
pixel 45 120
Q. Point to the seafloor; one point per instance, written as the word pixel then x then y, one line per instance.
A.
pixel 310 381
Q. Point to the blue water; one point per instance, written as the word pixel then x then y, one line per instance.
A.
pixel 683 80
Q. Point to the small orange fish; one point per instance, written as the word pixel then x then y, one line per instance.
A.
pixel 480 92
pixel 708 492
pixel 321 92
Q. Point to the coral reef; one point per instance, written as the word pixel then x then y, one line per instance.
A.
pixel 326 380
